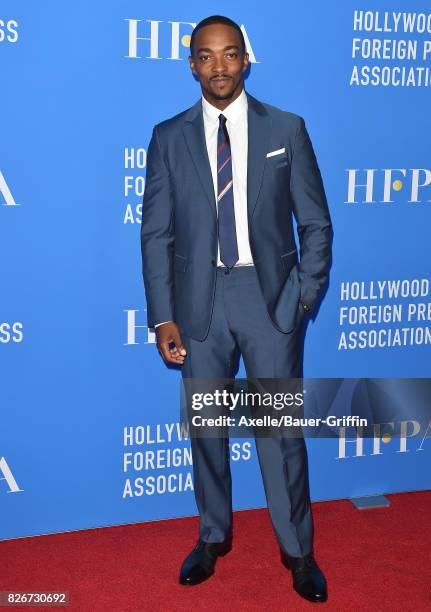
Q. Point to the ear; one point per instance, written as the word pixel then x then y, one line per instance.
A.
pixel 245 62
pixel 192 65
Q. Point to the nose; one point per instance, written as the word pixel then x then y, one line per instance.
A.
pixel 219 65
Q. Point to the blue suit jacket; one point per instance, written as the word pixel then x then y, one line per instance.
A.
pixel 179 219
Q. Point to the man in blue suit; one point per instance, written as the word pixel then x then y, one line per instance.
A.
pixel 223 277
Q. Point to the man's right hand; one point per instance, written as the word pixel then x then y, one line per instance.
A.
pixel 169 333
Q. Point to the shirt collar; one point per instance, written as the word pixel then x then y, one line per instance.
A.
pixel 232 112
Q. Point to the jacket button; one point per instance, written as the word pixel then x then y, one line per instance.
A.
pixel 213 262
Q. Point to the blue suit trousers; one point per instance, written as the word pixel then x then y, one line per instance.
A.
pixel 240 325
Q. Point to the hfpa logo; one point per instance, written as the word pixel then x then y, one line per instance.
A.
pixel 6 195
pixel 7 476
pixel 148 336
pixel 144 39
pixel 389 180
pixel 403 434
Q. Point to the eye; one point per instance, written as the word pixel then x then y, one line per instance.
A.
pixel 204 58
pixel 231 55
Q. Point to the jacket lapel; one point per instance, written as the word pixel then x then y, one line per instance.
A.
pixel 194 134
pixel 259 129
pixel 259 124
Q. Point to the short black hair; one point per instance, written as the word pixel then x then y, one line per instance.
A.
pixel 217 19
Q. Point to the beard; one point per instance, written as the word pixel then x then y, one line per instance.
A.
pixel 224 95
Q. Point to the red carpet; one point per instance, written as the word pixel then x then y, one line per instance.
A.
pixel 374 560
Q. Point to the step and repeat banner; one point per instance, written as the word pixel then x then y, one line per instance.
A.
pixel 89 431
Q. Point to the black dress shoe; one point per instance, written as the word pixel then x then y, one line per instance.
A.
pixel 200 563
pixel 308 579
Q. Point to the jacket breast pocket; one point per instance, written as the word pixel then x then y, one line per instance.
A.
pixel 281 160
pixel 180 263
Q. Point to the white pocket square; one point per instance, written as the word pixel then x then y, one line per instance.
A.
pixel 277 152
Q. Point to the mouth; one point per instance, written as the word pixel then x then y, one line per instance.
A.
pixel 220 80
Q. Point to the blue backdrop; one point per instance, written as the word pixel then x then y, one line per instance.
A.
pixel 89 433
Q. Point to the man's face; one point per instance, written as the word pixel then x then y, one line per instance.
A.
pixel 219 62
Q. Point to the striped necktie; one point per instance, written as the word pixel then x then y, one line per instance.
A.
pixel 226 211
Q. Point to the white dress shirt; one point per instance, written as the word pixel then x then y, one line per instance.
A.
pixel 237 128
